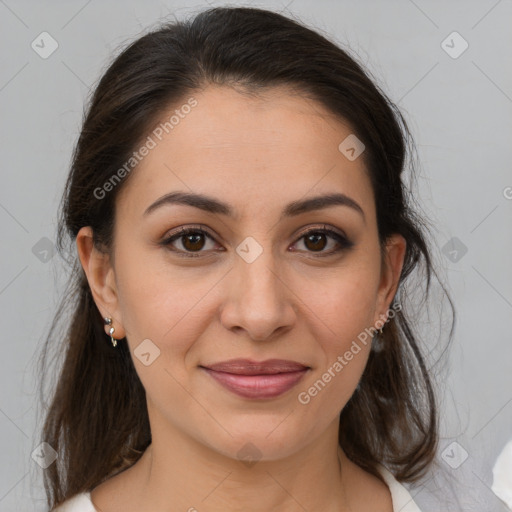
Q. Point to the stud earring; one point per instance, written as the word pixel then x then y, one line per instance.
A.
pixel 377 341
pixel 108 321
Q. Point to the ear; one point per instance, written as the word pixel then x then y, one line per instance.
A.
pixel 391 268
pixel 101 277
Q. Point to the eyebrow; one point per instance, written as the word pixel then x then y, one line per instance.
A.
pixel 212 205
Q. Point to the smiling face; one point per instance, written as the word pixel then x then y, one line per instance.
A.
pixel 269 280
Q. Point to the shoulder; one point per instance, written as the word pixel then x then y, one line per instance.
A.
pixel 402 500
pixel 79 503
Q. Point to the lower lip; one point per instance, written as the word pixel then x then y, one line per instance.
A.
pixel 258 386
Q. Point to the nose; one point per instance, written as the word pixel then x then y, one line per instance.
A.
pixel 260 300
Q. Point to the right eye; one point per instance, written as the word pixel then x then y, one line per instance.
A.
pixel 192 239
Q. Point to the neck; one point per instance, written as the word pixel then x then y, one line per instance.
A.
pixel 178 473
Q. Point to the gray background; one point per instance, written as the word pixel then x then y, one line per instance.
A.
pixel 459 110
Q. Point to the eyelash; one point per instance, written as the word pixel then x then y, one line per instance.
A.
pixel 343 243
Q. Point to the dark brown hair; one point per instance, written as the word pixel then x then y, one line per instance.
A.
pixel 97 419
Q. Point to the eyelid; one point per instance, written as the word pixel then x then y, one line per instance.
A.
pixel 322 227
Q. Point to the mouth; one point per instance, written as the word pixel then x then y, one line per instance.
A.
pixel 257 380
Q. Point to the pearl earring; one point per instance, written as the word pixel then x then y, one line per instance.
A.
pixel 108 321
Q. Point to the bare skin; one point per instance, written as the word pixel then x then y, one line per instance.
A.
pixel 258 155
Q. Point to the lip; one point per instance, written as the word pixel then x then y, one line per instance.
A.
pixel 257 380
pixel 250 367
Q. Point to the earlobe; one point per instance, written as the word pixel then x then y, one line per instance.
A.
pixel 100 276
pixel 391 269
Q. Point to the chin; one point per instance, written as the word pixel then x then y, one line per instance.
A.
pixel 267 443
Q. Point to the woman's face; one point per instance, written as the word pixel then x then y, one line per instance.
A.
pixel 254 286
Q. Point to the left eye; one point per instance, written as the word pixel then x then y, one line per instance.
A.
pixel 193 240
pixel 315 239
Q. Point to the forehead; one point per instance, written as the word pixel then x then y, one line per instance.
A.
pixel 267 149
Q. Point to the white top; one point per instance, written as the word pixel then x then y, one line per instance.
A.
pixel 502 475
pixel 402 500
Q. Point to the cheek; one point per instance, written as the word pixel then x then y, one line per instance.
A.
pixel 345 311
pixel 345 347
pixel 160 303
pixel 344 301
pixel 169 310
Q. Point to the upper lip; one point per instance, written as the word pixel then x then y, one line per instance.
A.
pixel 249 367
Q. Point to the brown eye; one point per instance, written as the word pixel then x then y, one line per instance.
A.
pixel 192 240
pixel 316 240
